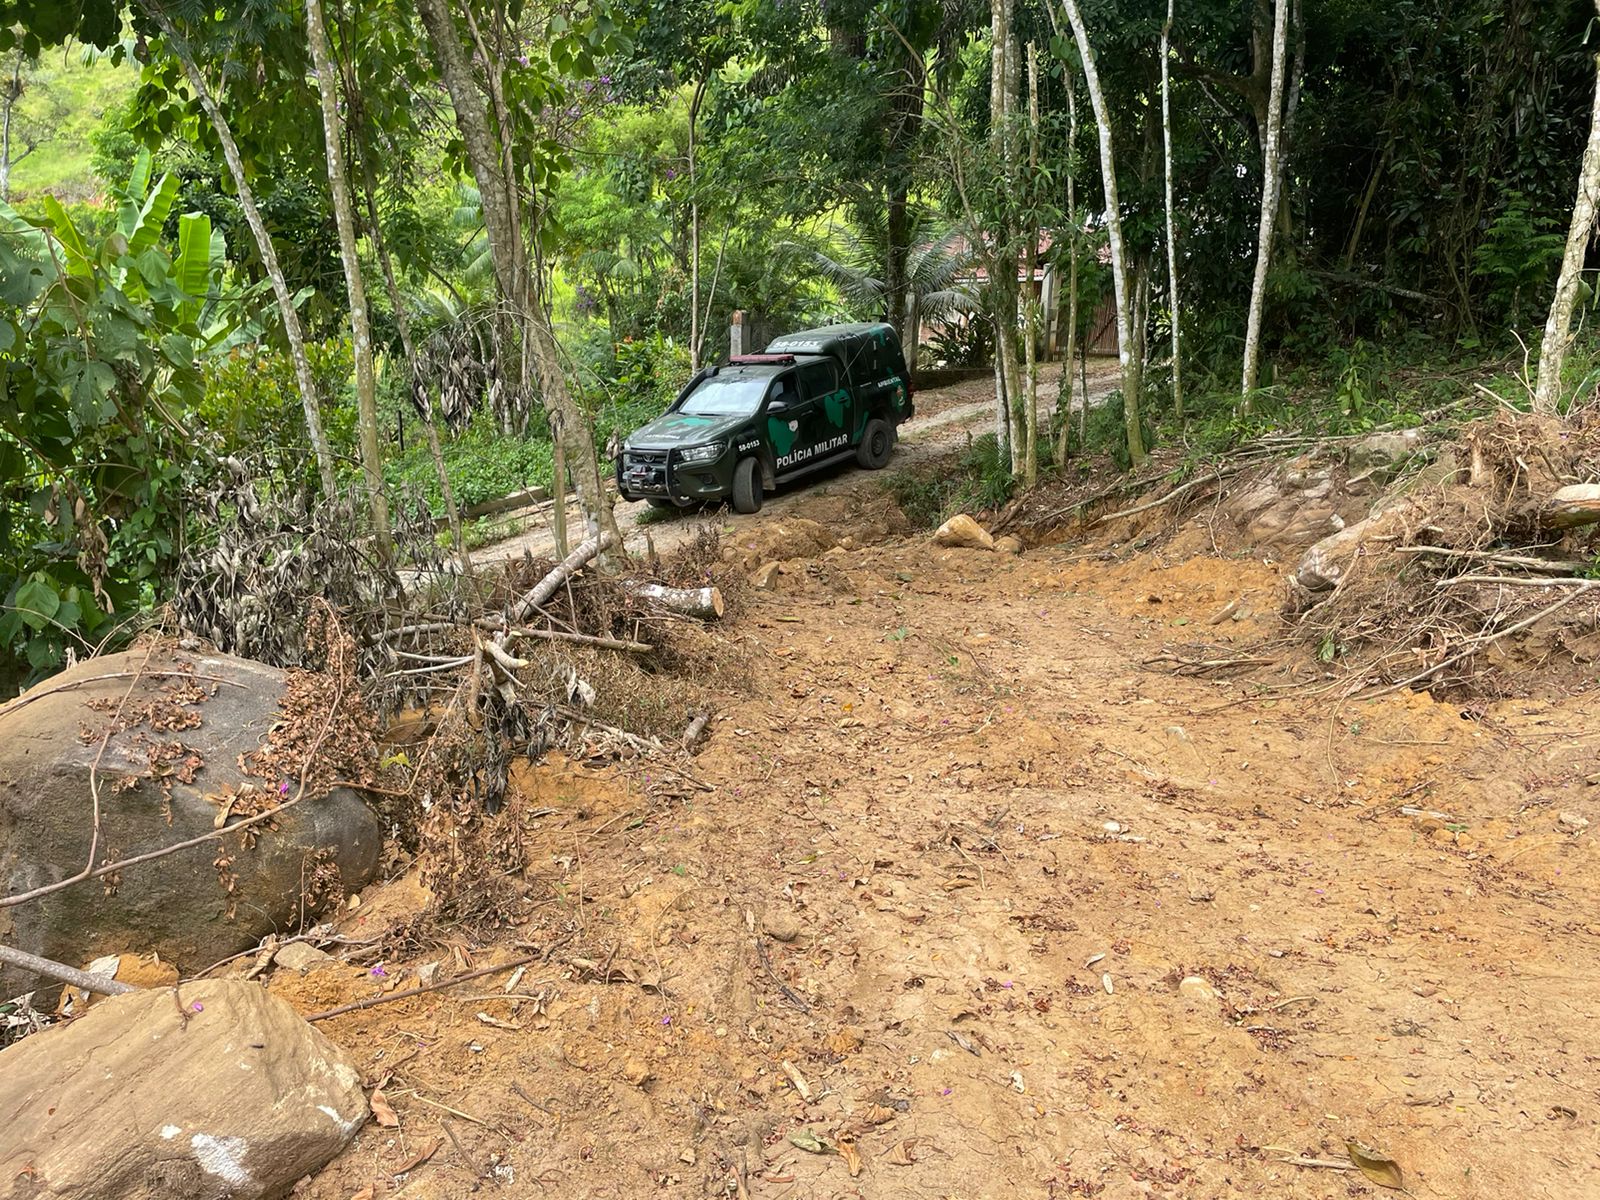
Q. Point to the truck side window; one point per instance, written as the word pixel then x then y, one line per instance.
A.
pixel 817 379
pixel 784 389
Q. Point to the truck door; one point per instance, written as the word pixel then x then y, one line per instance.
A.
pixel 828 408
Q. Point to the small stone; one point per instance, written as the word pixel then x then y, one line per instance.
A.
pixel 962 531
pixel 765 577
pixel 1443 836
pixel 1195 988
pixel 1571 822
pixel 301 957
pixel 1112 827
pixel 1008 545
pixel 782 928
pixel 847 542
pixel 635 1071
pixel 687 1156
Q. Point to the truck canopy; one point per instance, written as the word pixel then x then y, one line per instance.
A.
pixel 867 351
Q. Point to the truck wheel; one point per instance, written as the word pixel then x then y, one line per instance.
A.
pixel 747 493
pixel 877 441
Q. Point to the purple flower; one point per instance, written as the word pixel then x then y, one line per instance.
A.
pixel 378 972
pixel 283 788
pixel 197 1007
pixel 523 59
pixel 605 79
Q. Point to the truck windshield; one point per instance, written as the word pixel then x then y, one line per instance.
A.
pixel 728 394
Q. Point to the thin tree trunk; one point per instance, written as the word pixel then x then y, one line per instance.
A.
pixel 1558 328
pixel 1270 180
pixel 558 489
pixel 1001 288
pixel 1172 238
pixel 1076 226
pixel 269 256
pixel 408 347
pixel 344 216
pixel 1132 377
pixel 510 259
pixel 13 93
pixel 694 229
pixel 1030 350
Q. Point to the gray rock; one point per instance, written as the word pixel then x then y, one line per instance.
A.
pixel 183 906
pixel 235 1096
pixel 1379 450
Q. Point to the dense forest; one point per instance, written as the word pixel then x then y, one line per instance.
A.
pixel 392 259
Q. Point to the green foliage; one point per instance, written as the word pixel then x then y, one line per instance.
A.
pixel 483 464
pixel 100 346
pixel 978 479
pixel 1517 260
pixel 251 407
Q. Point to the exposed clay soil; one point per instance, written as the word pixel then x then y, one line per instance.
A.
pixel 983 829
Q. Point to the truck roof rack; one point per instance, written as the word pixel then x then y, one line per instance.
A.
pixel 758 359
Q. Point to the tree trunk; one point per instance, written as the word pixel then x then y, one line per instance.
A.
pixel 1270 181
pixel 694 230
pixel 1172 238
pixel 1030 330
pixel 1075 225
pixel 1002 288
pixel 897 252
pixel 408 347
pixel 344 216
pixel 13 93
pixel 269 255
pixel 1558 327
pixel 1132 375
pixel 510 259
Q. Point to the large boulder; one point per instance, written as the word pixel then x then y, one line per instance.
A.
pixel 963 531
pixel 194 750
pixel 217 1090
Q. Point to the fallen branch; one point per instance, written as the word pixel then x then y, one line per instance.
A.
pixel 1526 561
pixel 1181 490
pixel 40 693
pixel 583 639
pixel 789 994
pixel 581 555
pixel 1519 581
pixel 103 984
pixel 390 997
pixel 1584 586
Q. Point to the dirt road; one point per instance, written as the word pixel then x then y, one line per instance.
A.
pixel 946 418
pixel 970 892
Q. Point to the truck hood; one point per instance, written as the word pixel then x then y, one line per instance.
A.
pixel 675 430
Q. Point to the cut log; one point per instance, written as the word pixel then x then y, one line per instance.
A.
pixel 704 602
pixel 1571 506
pixel 696 730
pixel 581 555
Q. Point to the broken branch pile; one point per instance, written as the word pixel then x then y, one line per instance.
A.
pixel 1501 549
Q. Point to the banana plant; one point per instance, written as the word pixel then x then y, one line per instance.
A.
pixel 101 345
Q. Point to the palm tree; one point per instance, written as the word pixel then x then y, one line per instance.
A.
pixel 940 255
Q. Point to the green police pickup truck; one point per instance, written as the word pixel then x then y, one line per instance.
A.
pixel 741 428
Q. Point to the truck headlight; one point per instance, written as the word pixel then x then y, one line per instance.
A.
pixel 707 453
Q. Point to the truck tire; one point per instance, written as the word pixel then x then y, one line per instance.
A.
pixel 747 494
pixel 877 442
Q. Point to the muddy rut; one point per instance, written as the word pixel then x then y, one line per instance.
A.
pixel 971 893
